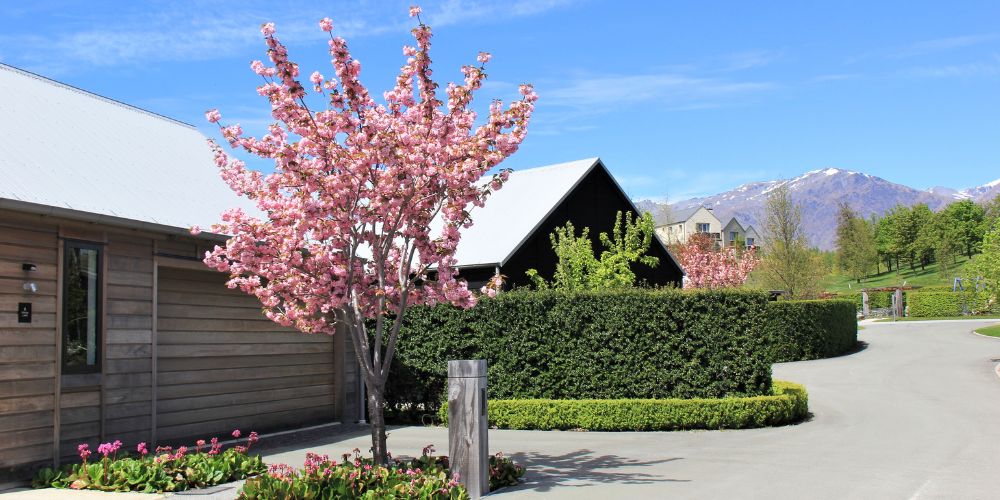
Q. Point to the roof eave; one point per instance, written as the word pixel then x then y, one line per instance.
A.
pixel 94 218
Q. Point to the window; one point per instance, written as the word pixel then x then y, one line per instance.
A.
pixel 749 242
pixel 81 308
pixel 732 235
pixel 702 227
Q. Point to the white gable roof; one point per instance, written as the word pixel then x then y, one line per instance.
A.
pixel 512 213
pixel 66 151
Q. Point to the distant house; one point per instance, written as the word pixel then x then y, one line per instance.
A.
pixel 510 235
pixel 690 221
pixel 111 327
pixel 733 233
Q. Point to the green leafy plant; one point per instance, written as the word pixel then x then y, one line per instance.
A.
pixel 810 329
pixel 577 268
pixel 354 476
pixel 788 403
pixel 163 470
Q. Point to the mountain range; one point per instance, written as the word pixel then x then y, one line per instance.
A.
pixel 819 192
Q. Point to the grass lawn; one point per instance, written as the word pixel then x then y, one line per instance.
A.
pixel 985 316
pixel 927 277
pixel 992 331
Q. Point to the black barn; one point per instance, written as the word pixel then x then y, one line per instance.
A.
pixel 511 233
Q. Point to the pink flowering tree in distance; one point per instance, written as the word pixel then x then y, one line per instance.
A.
pixel 345 238
pixel 709 267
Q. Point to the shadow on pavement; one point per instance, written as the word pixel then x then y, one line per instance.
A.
pixel 583 468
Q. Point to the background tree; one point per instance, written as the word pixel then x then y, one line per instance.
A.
pixel 964 220
pixel 947 246
pixel 857 251
pixel 991 214
pixel 984 271
pixel 578 269
pixel 787 262
pixel 708 266
pixel 366 200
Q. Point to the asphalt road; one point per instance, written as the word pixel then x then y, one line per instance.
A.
pixel 916 414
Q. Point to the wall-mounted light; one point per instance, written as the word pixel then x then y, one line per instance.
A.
pixel 30 286
pixel 29 267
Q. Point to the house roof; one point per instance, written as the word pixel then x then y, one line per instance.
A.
pixel 682 215
pixel 72 153
pixel 731 221
pixel 513 213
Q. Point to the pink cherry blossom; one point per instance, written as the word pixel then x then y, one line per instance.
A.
pixel 195 230
pixel 414 11
pixel 709 267
pixel 326 24
pixel 366 200
pixel 267 29
pixel 484 57
pixel 213 116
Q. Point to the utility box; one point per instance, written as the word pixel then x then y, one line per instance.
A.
pixel 468 425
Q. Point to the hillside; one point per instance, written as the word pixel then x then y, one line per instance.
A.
pixel 820 192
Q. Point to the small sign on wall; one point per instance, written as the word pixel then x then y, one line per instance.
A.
pixel 24 312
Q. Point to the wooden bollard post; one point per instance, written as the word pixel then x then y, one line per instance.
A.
pixel 899 303
pixel 468 423
pixel 866 309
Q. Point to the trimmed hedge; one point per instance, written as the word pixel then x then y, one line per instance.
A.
pixel 876 300
pixel 588 345
pixel 789 403
pixel 932 304
pixel 798 330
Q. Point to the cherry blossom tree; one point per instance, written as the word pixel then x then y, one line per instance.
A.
pixel 710 267
pixel 367 202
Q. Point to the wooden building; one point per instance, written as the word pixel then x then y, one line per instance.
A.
pixel 110 326
pixel 510 235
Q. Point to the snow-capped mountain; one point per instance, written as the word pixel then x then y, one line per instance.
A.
pixel 820 192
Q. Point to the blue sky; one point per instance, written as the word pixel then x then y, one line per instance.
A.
pixel 678 98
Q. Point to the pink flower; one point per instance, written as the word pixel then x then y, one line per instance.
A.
pixel 253 437
pixel 195 230
pixel 326 24
pixel 236 433
pixel 267 29
pixel 316 78
pixel 84 451
pixel 141 448
pixel 414 11
pixel 484 57
pixel 213 116
pixel 200 443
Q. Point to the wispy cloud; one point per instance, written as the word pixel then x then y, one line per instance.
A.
pixel 927 47
pixel 169 32
pixel 666 90
pixel 973 69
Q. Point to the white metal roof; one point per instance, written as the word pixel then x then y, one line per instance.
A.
pixel 88 155
pixel 512 213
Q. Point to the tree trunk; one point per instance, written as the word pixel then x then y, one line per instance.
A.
pixel 376 417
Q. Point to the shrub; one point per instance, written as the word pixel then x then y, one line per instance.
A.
pixel 595 345
pixel 163 470
pixel 788 403
pixel 876 300
pixel 931 304
pixel 356 477
pixel 810 329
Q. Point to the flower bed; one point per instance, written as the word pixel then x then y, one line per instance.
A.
pixel 788 403
pixel 355 477
pixel 163 470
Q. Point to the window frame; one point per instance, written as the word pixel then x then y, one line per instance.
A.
pixel 706 225
pixel 68 245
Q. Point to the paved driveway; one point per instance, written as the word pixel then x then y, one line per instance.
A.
pixel 916 414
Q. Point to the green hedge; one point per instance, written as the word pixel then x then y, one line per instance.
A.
pixel 789 403
pixel 876 300
pixel 810 329
pixel 935 304
pixel 588 345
